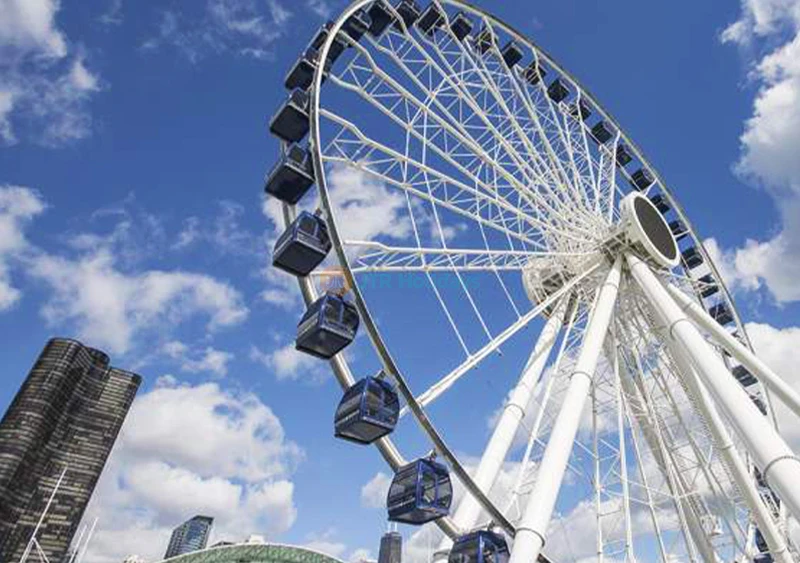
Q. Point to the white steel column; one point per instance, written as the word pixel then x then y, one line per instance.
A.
pixel 531 531
pixel 735 464
pixel 785 392
pixel 774 458
pixel 469 510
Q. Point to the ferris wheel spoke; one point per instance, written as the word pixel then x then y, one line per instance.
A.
pixel 515 116
pixel 387 163
pixel 474 83
pixel 461 149
pixel 374 256
pixel 484 132
pixel 438 388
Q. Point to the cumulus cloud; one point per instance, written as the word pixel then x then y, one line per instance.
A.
pixel 373 493
pixel 242 27
pixel 18 206
pixel 769 143
pixel 186 450
pixel 112 308
pixel 45 85
pixel 208 360
pixel 288 364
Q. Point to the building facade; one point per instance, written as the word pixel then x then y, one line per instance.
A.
pixel 190 536
pixel 391 550
pixel 66 415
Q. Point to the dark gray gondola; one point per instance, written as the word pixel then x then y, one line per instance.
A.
pixel 660 202
pixel 420 492
pixel 292 176
pixel 557 91
pixel 721 314
pixel 301 75
pixel 743 376
pixel 327 327
pixel 303 246
pixel 623 155
pixel 678 229
pixel 290 122
pixel 708 286
pixel 338 45
pixel 601 132
pixel 511 54
pixel 409 12
pixel 485 39
pixel 430 19
pixel 380 18
pixel 580 109
pixel 369 410
pixel 642 179
pixel 533 73
pixel 357 25
pixel 692 257
pixel 461 26
pixel 482 546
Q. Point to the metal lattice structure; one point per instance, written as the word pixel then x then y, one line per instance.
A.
pixel 447 148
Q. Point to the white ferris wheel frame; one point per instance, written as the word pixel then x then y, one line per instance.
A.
pixel 692 354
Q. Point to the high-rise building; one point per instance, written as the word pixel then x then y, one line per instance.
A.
pixel 391 550
pixel 66 415
pixel 189 536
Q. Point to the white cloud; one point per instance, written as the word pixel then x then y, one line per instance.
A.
pixel 769 143
pixel 113 14
pixel 243 27
pixel 322 8
pixel 18 206
pixel 191 449
pixel 209 360
pixel 373 493
pixel 287 363
pixel 29 26
pixel 111 308
pixel 45 88
pixel 778 349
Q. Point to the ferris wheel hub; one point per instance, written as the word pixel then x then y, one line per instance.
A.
pixel 647 231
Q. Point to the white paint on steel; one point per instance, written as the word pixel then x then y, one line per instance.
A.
pixel 785 392
pixel 532 529
pixel 778 464
pixel 468 511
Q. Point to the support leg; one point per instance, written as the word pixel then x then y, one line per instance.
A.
pixel 773 457
pixel 532 529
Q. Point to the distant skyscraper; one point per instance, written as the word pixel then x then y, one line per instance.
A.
pixel 391 550
pixel 67 414
pixel 192 535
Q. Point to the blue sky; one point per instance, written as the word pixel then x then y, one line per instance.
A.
pixel 133 144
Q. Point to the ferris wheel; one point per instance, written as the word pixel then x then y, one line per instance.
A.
pixel 511 256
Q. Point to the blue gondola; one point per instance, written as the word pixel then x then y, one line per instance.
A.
pixel 327 327
pixel 580 109
pixel 303 246
pixel 709 287
pixel 482 546
pixel 743 376
pixel 368 411
pixel 408 11
pixel 338 45
pixel 485 39
pixel 678 229
pixel 357 25
pixel 420 492
pixel 660 202
pixel 292 176
pixel 692 257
